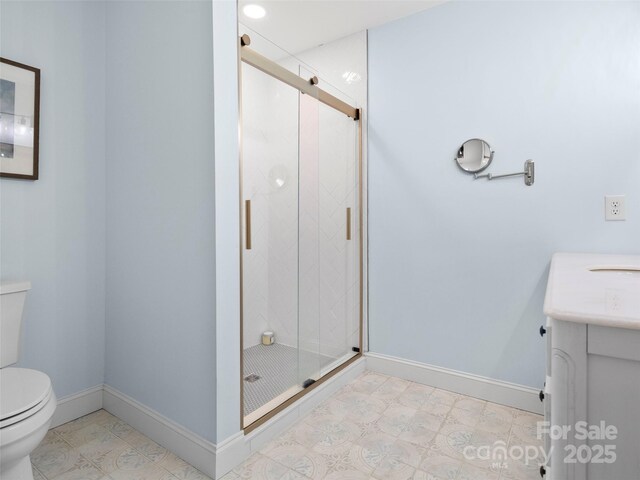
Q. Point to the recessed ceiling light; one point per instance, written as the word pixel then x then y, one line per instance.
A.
pixel 254 11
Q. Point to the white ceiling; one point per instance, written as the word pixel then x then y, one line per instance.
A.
pixel 297 25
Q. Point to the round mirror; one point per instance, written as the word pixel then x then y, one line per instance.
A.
pixel 474 155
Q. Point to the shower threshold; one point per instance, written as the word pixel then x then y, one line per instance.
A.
pixel 280 369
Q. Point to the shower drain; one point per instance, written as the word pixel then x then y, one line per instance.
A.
pixel 252 378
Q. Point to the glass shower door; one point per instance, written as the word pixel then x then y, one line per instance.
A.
pixel 338 238
pixel 329 326
pixel 300 234
pixel 270 242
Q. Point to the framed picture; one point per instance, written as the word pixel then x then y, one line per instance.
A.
pixel 19 119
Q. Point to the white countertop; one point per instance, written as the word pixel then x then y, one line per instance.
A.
pixel 609 296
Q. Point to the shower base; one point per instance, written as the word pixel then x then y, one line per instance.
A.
pixel 279 368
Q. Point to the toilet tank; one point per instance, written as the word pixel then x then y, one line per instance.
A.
pixel 12 297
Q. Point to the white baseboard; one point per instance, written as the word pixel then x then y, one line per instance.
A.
pixel 233 451
pixel 192 448
pixel 77 405
pixel 497 391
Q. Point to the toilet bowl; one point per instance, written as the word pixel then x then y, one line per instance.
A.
pixel 27 400
pixel 27 403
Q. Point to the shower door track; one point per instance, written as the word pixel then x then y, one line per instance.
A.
pixel 308 87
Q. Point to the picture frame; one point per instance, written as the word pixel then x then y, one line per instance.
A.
pixel 19 120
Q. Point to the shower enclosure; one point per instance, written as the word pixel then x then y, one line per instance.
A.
pixel 301 234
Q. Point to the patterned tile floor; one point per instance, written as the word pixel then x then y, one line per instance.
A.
pixel 100 446
pixel 379 428
pixel 375 428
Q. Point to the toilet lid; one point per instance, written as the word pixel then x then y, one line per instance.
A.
pixel 20 390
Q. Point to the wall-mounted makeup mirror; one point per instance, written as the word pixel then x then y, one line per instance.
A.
pixel 474 155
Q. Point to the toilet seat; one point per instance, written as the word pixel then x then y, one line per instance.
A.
pixel 23 392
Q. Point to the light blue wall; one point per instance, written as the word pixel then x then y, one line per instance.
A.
pixel 137 75
pixel 458 267
pixel 160 216
pixel 52 230
pixel 225 79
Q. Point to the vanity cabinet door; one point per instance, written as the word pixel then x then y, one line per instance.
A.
pixel 569 394
pixel 614 398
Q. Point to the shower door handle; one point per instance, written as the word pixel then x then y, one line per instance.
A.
pixel 349 223
pixel 247 219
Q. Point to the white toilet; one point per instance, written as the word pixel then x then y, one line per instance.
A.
pixel 27 401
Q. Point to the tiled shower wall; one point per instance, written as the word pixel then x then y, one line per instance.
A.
pixel 269 181
pixel 301 275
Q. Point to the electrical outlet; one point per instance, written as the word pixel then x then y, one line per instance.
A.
pixel 614 207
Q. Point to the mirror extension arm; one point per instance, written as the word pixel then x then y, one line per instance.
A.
pixel 529 174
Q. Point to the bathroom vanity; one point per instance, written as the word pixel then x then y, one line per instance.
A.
pixel 592 390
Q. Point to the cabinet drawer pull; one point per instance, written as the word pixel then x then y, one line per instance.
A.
pixel 542 330
pixel 541 395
